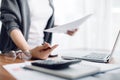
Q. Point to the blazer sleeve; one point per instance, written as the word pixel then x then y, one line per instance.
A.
pixel 10 15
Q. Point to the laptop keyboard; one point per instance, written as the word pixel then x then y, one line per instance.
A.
pixel 95 56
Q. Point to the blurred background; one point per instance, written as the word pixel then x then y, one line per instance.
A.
pixel 98 32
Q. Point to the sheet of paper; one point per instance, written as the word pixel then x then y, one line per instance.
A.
pixel 69 26
pixel 103 66
pixel 22 74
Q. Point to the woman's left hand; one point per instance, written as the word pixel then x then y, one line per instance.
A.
pixel 72 32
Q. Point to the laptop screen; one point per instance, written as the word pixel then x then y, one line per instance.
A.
pixel 115 44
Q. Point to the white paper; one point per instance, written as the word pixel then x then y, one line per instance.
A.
pixel 103 66
pixel 22 74
pixel 69 26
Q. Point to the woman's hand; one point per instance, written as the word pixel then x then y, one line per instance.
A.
pixel 72 32
pixel 42 52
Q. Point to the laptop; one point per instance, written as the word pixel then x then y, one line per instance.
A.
pixel 97 57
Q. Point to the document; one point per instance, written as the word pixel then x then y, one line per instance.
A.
pixel 23 74
pixel 68 26
pixel 103 66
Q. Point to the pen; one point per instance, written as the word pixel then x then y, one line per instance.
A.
pixel 45 44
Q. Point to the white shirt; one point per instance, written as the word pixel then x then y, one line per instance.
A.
pixel 40 11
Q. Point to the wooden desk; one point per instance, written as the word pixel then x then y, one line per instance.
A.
pixel 4 75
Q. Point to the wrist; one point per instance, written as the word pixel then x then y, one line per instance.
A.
pixel 28 54
pixel 27 51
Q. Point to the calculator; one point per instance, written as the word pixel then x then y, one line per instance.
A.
pixel 55 64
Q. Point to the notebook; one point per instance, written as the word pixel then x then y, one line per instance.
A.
pixel 97 57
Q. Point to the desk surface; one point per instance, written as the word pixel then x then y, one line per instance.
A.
pixel 4 75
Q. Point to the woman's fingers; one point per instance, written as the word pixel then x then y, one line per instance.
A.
pixel 53 47
pixel 47 46
pixel 44 46
pixel 45 53
pixel 72 32
pixel 49 50
pixel 42 52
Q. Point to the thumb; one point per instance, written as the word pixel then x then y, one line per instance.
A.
pixel 53 47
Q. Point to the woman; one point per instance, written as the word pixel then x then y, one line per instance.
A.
pixel 23 22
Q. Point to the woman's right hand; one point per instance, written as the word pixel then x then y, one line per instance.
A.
pixel 42 52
